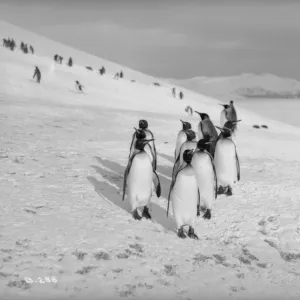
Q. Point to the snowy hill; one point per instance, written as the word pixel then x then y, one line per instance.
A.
pixel 244 85
pixel 62 160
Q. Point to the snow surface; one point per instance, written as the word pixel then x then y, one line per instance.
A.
pixel 62 160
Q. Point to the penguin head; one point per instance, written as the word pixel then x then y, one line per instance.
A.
pixel 188 155
pixel 230 125
pixel 140 134
pixel 224 105
pixel 190 134
pixel 202 144
pixel 186 125
pixel 143 124
pixel 226 132
pixel 202 115
pixel 140 144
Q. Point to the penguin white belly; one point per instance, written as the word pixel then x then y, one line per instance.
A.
pixel 139 181
pixel 181 138
pixel 204 172
pixel 184 197
pixel 225 163
pixel 223 119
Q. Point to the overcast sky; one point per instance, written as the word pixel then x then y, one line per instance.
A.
pixel 173 38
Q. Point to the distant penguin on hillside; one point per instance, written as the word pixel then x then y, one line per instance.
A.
pixel 207 130
pixel 224 112
pixel 184 195
pixel 138 178
pixel 204 168
pixel 190 143
pixel 181 136
pixel 226 161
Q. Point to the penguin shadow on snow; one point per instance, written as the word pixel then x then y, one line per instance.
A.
pixel 114 194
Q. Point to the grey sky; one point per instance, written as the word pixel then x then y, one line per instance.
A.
pixel 173 38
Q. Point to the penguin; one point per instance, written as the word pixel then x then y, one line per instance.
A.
pixel 181 137
pixel 184 195
pixel 226 161
pixel 231 114
pixel 143 125
pixel 224 114
pixel 202 163
pixel 207 130
pixel 138 178
pixel 190 143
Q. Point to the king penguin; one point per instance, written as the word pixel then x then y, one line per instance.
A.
pixel 202 163
pixel 208 131
pixel 143 126
pixel 224 114
pixel 190 143
pixel 232 116
pixel 138 179
pixel 184 195
pixel 226 161
pixel 181 136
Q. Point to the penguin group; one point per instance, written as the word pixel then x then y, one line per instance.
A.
pixel 206 165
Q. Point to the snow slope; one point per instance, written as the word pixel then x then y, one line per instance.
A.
pixel 241 85
pixel 62 160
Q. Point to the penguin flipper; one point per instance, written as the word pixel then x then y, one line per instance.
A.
pixel 126 174
pixel 153 156
pixel 238 167
pixel 157 184
pixel 131 149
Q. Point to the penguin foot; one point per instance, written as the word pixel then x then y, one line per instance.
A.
pixel 192 234
pixel 136 215
pixel 207 214
pixel 221 190
pixel 198 210
pixel 229 191
pixel 181 233
pixel 146 213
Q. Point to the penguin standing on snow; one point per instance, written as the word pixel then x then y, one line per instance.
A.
pixel 226 160
pixel 207 130
pixel 143 126
pixel 202 163
pixel 224 114
pixel 138 179
pixel 181 136
pixel 185 197
pixel 190 143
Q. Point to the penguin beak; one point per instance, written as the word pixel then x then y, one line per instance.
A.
pixel 234 122
pixel 182 121
pixel 221 129
pixel 197 112
pixel 222 104
pixel 135 129
pixel 209 143
pixel 148 141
